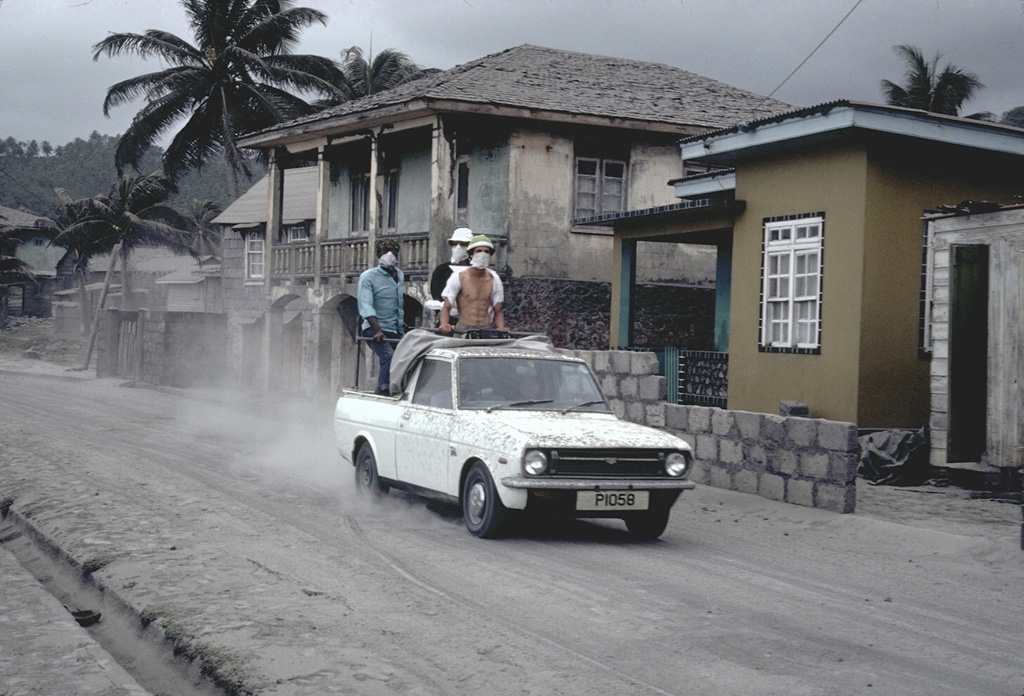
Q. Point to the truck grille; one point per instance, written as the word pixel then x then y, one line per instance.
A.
pixel 607 463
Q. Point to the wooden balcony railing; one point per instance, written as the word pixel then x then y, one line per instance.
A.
pixel 350 257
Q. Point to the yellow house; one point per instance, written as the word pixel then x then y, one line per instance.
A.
pixel 817 218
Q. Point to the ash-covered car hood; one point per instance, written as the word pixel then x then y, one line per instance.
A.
pixel 576 429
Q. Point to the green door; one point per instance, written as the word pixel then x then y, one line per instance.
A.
pixel 968 352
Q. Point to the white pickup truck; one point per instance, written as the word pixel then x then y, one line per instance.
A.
pixel 508 425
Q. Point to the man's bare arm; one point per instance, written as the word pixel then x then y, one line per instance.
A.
pixel 446 317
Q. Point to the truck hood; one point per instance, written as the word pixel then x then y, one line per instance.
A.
pixel 579 429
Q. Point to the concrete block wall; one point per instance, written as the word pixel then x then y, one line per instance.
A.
pixel 804 461
pixel 631 382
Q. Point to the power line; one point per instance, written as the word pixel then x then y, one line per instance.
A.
pixel 45 202
pixel 797 68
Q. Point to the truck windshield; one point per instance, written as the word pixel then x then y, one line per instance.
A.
pixel 528 384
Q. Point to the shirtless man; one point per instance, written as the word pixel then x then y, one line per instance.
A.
pixel 476 292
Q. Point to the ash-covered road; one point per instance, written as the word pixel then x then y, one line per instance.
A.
pixel 236 529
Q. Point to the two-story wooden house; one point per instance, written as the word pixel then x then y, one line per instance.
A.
pixel 519 145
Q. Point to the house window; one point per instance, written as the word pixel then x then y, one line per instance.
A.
pixel 360 189
pixel 390 203
pixel 254 256
pixel 791 284
pixel 297 233
pixel 600 186
pixel 462 192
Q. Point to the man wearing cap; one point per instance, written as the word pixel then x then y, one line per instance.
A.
pixel 382 306
pixel 475 292
pixel 460 259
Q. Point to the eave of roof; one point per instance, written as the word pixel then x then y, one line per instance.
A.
pixel 723 146
pixel 689 208
pixel 708 184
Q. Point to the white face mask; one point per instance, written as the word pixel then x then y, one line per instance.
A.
pixel 388 260
pixel 481 259
pixel 459 254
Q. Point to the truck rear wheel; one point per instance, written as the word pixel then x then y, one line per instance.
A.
pixel 367 480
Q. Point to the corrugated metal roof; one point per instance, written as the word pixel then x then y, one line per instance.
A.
pixel 551 80
pixel 299 201
pixel 826 107
pixel 188 276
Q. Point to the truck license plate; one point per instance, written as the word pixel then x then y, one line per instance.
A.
pixel 612 500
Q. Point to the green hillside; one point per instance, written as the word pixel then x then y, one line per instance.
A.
pixel 29 172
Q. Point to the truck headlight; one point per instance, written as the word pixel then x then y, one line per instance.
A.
pixel 676 464
pixel 535 463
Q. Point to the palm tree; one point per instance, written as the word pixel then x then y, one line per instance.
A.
pixel 204 237
pixel 1013 117
pixel 135 213
pixel 235 79
pixel 925 88
pixel 360 77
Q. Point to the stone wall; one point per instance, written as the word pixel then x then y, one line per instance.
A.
pixel 178 349
pixel 184 349
pixel 804 461
pixel 576 313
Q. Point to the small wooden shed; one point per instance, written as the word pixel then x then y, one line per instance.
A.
pixel 975 332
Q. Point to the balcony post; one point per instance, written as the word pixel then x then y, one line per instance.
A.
pixel 275 196
pixel 323 198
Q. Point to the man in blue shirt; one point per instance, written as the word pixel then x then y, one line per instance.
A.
pixel 382 307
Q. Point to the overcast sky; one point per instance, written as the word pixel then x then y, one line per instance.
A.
pixel 51 89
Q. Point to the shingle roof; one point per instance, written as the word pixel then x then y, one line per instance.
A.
pixel 12 217
pixel 299 201
pixel 551 80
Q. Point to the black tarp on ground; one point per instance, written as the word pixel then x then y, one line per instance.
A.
pixel 895 458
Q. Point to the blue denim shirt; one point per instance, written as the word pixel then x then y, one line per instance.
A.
pixel 380 296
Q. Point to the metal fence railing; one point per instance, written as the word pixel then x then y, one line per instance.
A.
pixel 693 377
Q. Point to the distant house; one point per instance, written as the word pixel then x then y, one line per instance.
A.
pixel 34 251
pixel 822 295
pixel 245 260
pixel 520 145
pixel 160 280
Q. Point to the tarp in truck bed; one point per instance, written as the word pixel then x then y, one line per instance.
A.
pixel 417 342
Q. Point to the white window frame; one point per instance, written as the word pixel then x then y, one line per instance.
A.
pixel 297 233
pixel 255 256
pixel 791 275
pixel 359 191
pixel 601 186
pixel 389 206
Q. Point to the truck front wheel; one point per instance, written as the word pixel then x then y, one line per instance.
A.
pixel 482 509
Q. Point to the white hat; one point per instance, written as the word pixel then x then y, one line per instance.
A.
pixel 463 234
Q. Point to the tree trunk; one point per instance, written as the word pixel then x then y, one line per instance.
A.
pixel 99 307
pixel 127 303
pixel 83 303
pixel 232 166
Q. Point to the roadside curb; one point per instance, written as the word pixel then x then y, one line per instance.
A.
pixel 118 614
pixel 74 656
pixel 45 375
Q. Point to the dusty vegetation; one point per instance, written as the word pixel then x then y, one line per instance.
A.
pixel 33 338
